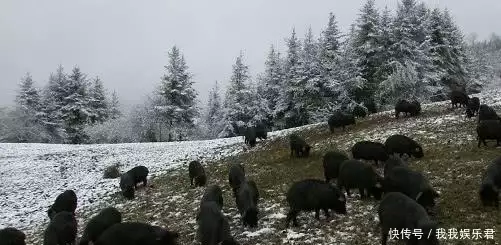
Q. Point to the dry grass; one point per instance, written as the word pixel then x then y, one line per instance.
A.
pixel 452 162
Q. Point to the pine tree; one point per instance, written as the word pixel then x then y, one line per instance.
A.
pixel 28 98
pixel 237 101
pixel 292 108
pixel 330 57
pixel 330 46
pixel 350 73
pixel 368 49
pixel 114 106
pixel 316 89
pixel 25 123
pixel 75 110
pixel 455 57
pixel 258 108
pixel 98 102
pixel 271 81
pixel 178 105
pixel 385 41
pixel 411 68
pixel 52 102
pixel 214 112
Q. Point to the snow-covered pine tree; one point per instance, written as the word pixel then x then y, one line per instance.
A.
pixel 25 124
pixel 258 107
pixel 385 41
pixel 271 81
pixel 333 74
pixel 52 103
pixel 114 106
pixel 291 109
pixel 178 105
pixel 368 47
pixel 456 74
pixel 411 69
pixel 214 114
pixel 315 86
pixel 330 47
pixel 238 101
pixel 98 102
pixel 75 109
pixel 28 98
pixel 350 73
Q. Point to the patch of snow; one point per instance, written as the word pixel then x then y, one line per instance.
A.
pixel 291 235
pixel 258 232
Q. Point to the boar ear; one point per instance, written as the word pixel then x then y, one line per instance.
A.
pixel 419 195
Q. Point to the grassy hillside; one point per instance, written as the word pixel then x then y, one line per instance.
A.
pixel 452 162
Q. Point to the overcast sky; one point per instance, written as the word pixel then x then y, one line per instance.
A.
pixel 125 42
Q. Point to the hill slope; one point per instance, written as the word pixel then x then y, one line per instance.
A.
pixel 32 175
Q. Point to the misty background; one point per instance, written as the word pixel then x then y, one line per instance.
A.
pixel 126 43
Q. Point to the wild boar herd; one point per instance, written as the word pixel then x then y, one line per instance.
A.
pixel 407 198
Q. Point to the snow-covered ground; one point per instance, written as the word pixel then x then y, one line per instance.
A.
pixel 32 175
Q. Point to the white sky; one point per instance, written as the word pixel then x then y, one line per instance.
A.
pixel 126 42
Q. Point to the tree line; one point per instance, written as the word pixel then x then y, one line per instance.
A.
pixel 413 52
pixel 60 111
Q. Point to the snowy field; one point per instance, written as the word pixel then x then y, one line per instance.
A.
pixel 32 175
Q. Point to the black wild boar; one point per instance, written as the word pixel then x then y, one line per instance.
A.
pixel 314 195
pixel 331 163
pixel 131 178
pixel 491 183
pixel 459 98
pixel 261 131
pixel 398 211
pixel 127 185
pixel 196 172
pixel 393 161
pixel 489 130
pixel 213 226
pixel 236 176
pixel 359 111
pixel 371 106
pixel 247 203
pixel 99 223
pixel 299 146
pixel 12 236
pixel 250 136
pixel 340 119
pixel 360 175
pixel 402 144
pixel 213 193
pixel 368 150
pixel 406 107
pixel 66 201
pixel 62 229
pixel 486 112
pixel 473 107
pixel 135 233
pixel 411 183
pixel 416 108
